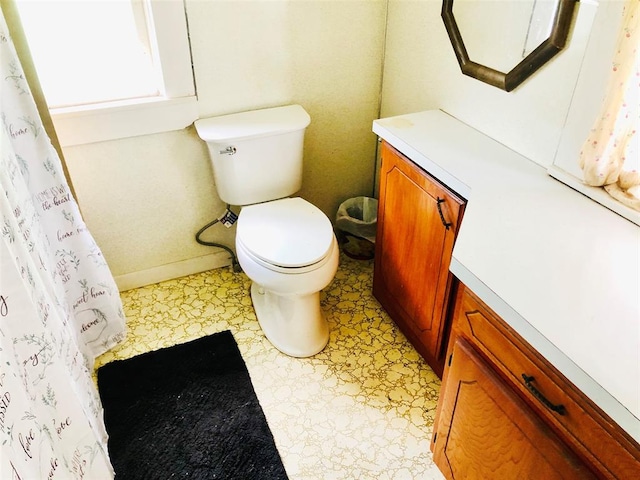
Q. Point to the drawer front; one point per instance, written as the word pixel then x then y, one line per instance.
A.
pixel 583 425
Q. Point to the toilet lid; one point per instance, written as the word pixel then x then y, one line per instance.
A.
pixel 289 233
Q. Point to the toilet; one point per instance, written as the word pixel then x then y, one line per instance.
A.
pixel 285 245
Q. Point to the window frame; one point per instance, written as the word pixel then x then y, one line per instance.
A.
pixel 174 109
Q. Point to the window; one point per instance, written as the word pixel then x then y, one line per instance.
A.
pixel 111 69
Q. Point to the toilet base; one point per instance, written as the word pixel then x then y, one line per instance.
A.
pixel 295 325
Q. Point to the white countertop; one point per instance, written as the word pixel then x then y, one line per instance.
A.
pixel 561 269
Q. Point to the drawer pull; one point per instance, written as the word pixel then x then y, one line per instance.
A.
pixel 444 222
pixel 559 409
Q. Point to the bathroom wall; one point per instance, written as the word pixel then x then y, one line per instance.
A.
pixel 421 73
pixel 144 198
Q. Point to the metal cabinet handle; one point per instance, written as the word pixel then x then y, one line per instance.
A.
pixel 444 222
pixel 559 409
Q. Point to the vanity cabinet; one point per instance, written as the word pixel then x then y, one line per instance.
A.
pixel 505 412
pixel 418 219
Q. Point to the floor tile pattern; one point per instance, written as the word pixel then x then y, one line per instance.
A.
pixel 360 409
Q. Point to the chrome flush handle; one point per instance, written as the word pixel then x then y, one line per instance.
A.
pixel 228 151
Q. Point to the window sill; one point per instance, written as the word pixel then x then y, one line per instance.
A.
pixel 115 120
pixel 597 194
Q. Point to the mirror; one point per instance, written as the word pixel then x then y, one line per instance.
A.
pixel 504 43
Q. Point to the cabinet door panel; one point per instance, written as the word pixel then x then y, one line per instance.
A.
pixel 485 431
pixel 413 251
pixel 414 243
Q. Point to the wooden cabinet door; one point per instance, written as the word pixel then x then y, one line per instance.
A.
pixel 485 431
pixel 417 223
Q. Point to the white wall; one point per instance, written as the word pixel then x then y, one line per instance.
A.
pixel 421 73
pixel 144 198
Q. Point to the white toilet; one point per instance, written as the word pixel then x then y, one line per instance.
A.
pixel 286 246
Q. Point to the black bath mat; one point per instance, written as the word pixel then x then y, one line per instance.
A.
pixel 187 411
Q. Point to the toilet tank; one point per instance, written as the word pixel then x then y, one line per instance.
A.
pixel 256 156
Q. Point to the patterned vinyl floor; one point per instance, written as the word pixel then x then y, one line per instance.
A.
pixel 360 409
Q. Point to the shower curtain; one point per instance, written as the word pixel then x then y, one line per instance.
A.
pixel 59 305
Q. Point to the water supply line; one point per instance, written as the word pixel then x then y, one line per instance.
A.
pixel 234 260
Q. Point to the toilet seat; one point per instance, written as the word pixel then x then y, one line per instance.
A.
pixel 289 235
pixel 288 270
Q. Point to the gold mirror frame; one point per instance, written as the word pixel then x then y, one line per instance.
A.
pixel 528 66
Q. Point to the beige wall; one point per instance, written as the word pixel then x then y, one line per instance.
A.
pixel 144 198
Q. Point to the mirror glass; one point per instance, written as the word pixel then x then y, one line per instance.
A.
pixel 508 30
pixel 504 42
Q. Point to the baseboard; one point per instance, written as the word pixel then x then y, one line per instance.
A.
pixel 170 271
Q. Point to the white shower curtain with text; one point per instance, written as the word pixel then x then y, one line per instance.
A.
pixel 59 305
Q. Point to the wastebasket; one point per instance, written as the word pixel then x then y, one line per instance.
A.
pixel 356 223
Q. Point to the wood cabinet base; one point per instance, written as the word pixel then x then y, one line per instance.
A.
pixel 505 412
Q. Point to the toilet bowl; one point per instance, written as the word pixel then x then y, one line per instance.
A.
pixel 288 249
pixel 285 245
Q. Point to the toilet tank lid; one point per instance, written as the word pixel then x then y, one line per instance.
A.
pixel 253 124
